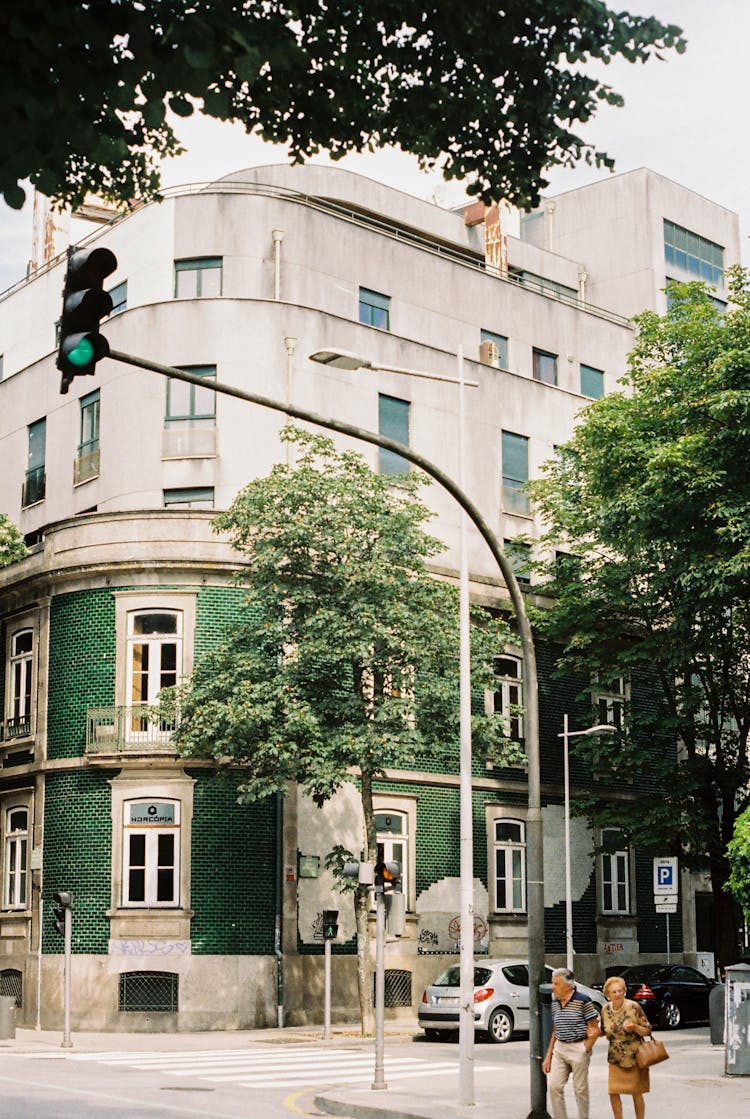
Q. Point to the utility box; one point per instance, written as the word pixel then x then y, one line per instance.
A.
pixel 7 1017
pixel 737 1050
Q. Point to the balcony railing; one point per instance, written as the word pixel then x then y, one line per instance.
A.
pixel 19 727
pixel 86 464
pixel 137 729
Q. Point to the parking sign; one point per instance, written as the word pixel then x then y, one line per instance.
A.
pixel 665 877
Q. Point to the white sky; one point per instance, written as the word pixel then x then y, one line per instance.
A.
pixel 685 117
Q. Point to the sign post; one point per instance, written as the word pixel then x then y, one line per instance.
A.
pixel 666 889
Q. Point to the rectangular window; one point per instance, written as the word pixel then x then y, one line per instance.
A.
pixel 15 857
pixel 18 724
pixel 592 382
pixel 119 294
pixel 200 497
pixel 609 697
pixel 515 454
pixel 701 258
pixel 87 458
pixel 506 700
pixel 519 555
pixel 198 277
pixel 151 853
pixel 191 405
pixel 374 309
pixel 544 286
pixel 494 349
pixel 545 367
pixel 35 485
pixel 510 866
pixel 393 422
pixel 615 878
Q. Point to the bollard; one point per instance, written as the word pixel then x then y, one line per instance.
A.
pixel 7 1017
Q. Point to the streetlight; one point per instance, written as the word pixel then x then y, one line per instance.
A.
pixel 600 728
pixel 344 359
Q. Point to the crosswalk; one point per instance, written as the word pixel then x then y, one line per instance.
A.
pixel 283 1067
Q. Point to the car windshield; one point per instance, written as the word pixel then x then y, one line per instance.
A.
pixel 452 977
pixel 642 974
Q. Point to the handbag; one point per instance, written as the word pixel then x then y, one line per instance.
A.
pixel 650 1052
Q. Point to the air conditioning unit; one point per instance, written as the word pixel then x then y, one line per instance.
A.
pixel 489 354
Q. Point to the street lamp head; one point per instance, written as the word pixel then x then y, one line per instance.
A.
pixel 341 359
pixel 600 728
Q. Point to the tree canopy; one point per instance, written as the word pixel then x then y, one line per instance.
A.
pixel 12 546
pixel 344 661
pixel 651 497
pixel 493 92
pixel 739 861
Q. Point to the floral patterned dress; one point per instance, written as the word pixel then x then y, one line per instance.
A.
pixel 625 1078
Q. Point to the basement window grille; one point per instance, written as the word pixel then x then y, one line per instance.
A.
pixel 397 988
pixel 11 983
pixel 149 991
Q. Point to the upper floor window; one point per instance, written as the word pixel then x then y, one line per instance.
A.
pixel 507 698
pixel 494 349
pixel 509 877
pixel 614 865
pixel 700 257
pixel 154 660
pixel 592 382
pixel 87 459
pixel 374 309
pixel 151 853
pixel 199 276
pixel 35 485
pixel 609 698
pixel 191 405
pixel 393 422
pixel 519 555
pixel 545 367
pixel 21 683
pixel 515 453
pixel 200 497
pixel 15 857
pixel 119 294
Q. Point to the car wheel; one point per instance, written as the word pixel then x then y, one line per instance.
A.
pixel 434 1035
pixel 500 1026
pixel 670 1015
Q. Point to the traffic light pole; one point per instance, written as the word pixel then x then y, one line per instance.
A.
pixel 379 1083
pixel 326 990
pixel 534 836
pixel 66 1042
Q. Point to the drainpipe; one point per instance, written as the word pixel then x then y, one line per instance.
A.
pixel 583 277
pixel 278 237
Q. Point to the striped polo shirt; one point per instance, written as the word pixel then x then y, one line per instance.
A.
pixel 570 1020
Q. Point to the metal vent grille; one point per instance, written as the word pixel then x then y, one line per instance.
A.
pixel 397 988
pixel 148 991
pixel 11 983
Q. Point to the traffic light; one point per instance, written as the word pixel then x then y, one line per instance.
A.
pixel 387 874
pixel 363 872
pixel 62 900
pixel 84 304
pixel 330 926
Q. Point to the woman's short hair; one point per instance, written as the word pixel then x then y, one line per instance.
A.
pixel 611 982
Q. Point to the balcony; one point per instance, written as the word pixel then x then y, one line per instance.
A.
pixel 138 729
pixel 18 728
pixel 86 465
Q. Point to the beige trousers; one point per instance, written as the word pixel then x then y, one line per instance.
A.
pixel 569 1057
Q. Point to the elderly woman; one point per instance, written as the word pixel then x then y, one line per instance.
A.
pixel 624 1024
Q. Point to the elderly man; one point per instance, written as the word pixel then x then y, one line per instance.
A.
pixel 575 1028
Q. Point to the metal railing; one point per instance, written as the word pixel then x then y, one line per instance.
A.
pixel 135 729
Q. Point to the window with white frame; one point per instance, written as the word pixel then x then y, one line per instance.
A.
pixel 154 660
pixel 19 709
pixel 15 857
pixel 151 853
pixel 506 699
pixel 614 864
pixel 509 865
pixel 393 839
pixel 609 698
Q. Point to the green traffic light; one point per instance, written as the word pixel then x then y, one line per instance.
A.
pixel 82 355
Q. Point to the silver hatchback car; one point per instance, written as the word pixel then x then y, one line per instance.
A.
pixel 501 999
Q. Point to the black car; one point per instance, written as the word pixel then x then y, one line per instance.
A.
pixel 670 995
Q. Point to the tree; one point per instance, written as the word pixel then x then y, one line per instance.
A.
pixel 652 498
pixel 739 861
pixel 12 546
pixel 492 92
pixel 345 659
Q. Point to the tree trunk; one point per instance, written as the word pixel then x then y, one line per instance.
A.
pixel 725 915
